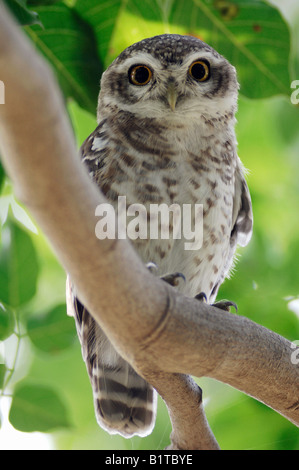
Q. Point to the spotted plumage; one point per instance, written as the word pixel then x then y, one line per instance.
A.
pixel 165 134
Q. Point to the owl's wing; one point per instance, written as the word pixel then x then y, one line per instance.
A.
pixel 242 211
pixel 242 221
pixel 96 155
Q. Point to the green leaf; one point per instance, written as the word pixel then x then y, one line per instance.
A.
pixel 255 38
pixel 22 13
pixel 52 332
pixel 6 322
pixel 69 44
pixel 102 16
pixel 41 2
pixel 251 34
pixel 18 266
pixel 37 408
pixel 2 374
pixel 2 176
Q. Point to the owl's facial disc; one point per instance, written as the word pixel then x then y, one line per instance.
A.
pixel 171 78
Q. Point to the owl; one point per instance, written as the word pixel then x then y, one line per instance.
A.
pixel 165 134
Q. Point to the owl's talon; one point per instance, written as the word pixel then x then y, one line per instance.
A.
pixel 222 304
pixel 225 305
pixel 152 267
pixel 202 297
pixel 173 279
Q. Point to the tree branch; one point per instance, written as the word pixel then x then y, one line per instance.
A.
pixel 162 333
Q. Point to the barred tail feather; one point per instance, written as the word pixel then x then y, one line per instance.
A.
pixel 124 402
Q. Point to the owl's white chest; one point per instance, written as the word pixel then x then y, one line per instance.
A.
pixel 198 174
pixel 186 165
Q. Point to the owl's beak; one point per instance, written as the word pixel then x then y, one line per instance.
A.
pixel 171 96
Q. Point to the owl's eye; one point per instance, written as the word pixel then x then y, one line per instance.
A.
pixel 140 75
pixel 200 70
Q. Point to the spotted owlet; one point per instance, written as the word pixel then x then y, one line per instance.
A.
pixel 165 134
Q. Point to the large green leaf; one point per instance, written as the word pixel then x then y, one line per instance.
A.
pixel 37 408
pixel 6 322
pixel 251 34
pixel 18 266
pixel 102 16
pixel 69 44
pixel 22 13
pixel 52 332
pixel 2 375
pixel 256 39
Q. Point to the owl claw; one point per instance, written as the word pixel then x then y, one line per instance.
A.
pixel 173 279
pixel 225 305
pixel 152 267
pixel 222 304
pixel 202 297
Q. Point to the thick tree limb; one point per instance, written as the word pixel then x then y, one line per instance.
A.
pixel 162 333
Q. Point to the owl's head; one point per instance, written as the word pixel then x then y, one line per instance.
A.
pixel 170 76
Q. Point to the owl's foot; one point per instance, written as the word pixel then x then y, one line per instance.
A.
pixel 172 279
pixel 225 305
pixel 152 267
pixel 222 304
pixel 202 297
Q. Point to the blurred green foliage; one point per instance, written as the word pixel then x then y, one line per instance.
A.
pixel 80 38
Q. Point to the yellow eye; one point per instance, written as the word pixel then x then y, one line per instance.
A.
pixel 140 75
pixel 200 70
